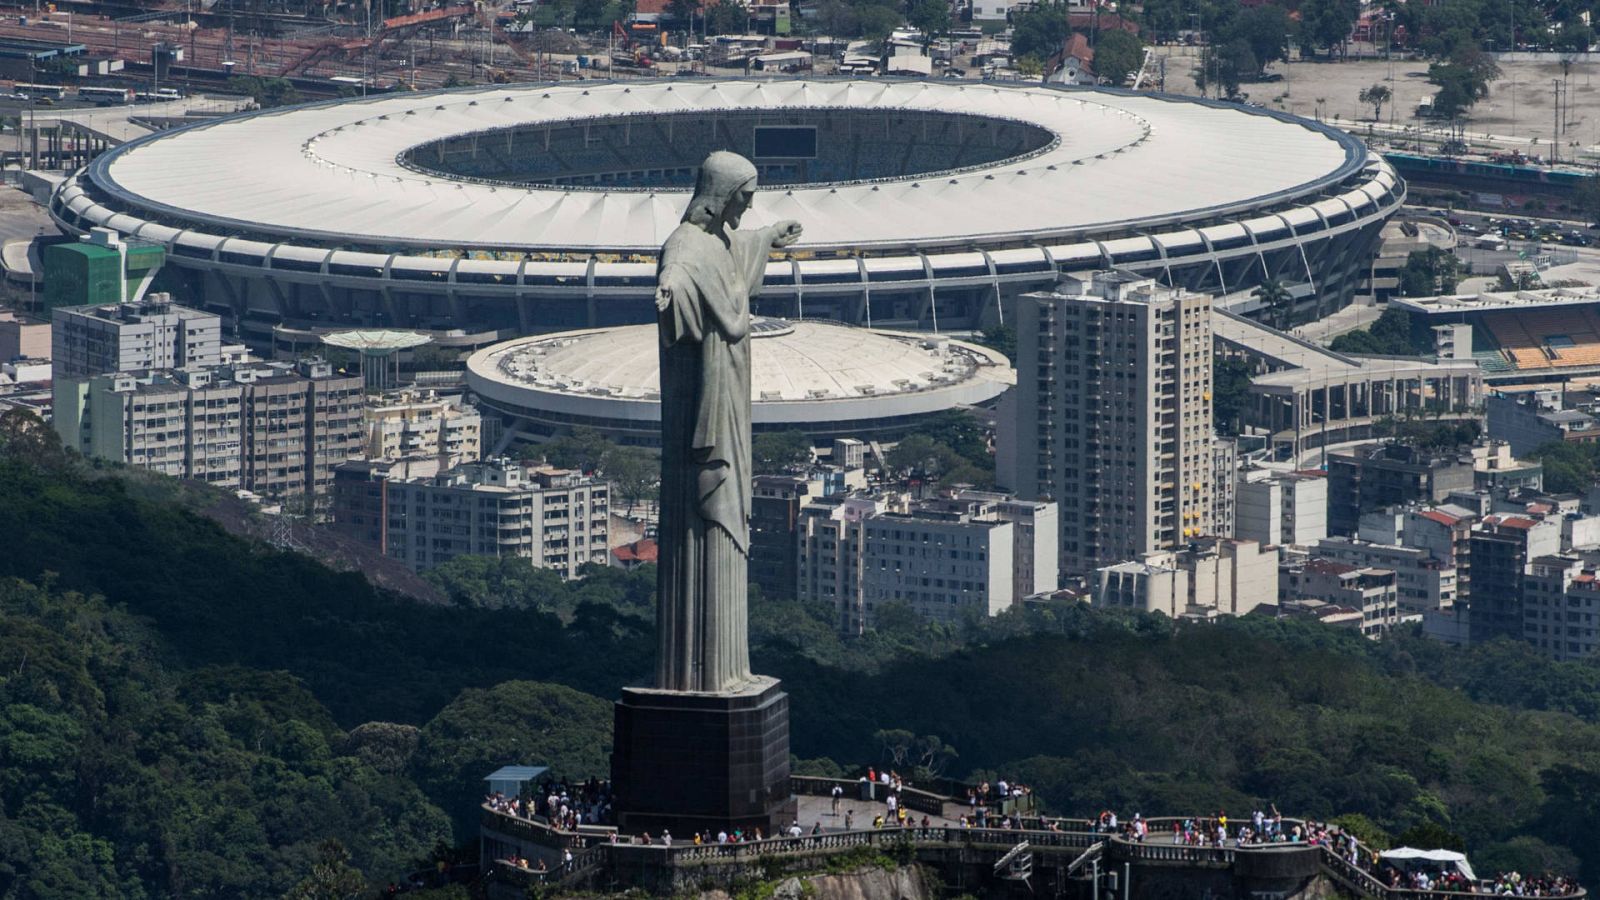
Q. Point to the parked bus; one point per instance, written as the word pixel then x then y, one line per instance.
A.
pixel 38 91
pixel 105 96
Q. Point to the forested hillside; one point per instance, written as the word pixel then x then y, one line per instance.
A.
pixel 183 712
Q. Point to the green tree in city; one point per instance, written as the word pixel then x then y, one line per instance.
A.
pixel 1230 391
pixel 584 449
pixel 1430 272
pixel 1039 30
pixel 1463 78
pixel 877 22
pixel 931 17
pixel 774 452
pixel 725 17
pixel 1390 335
pixel 1375 96
pixel 1586 198
pixel 267 91
pixel 1277 301
pixel 1327 23
pixel 1117 55
pixel 1267 29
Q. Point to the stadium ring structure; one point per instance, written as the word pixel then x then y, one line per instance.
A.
pixel 524 209
pixel 825 379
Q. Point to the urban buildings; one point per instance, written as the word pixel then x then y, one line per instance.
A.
pixel 1528 419
pixel 1374 476
pixel 1210 576
pixel 104 268
pixel 1561 607
pixel 970 554
pixel 556 518
pixel 1422 583
pixel 1503 546
pixel 1113 415
pixel 422 423
pixel 272 428
pixel 22 339
pixel 1326 589
pixel 128 337
pixel 1495 470
pixel 1281 507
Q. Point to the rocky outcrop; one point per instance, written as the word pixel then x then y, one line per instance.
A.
pixel 866 883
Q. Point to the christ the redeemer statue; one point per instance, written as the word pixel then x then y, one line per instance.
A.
pixel 707 274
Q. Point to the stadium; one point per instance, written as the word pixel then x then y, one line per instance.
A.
pixel 821 378
pixel 928 205
pixel 1526 336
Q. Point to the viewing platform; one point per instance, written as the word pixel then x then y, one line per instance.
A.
pixel 1053 857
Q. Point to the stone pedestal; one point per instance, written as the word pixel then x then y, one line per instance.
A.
pixel 702 762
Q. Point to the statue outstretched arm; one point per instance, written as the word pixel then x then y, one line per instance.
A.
pixel 676 308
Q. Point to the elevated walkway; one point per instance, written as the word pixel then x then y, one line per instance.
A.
pixel 1063 853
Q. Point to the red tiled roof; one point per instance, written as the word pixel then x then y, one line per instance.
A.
pixel 1328 567
pixel 1520 522
pixel 1077 47
pixel 643 550
pixel 1443 518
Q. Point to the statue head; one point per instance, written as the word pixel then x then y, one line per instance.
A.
pixel 723 191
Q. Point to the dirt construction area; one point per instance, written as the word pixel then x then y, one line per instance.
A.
pixel 1520 104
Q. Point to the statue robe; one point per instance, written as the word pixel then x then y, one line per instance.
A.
pixel 704 535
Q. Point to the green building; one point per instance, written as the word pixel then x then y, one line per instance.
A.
pixel 91 272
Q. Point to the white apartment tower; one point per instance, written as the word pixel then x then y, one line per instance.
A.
pixel 1113 415
pixel 153 333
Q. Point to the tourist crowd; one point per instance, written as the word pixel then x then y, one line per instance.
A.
pixel 558 804
pixel 565 807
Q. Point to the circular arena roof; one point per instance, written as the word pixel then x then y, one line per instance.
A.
pixel 804 374
pixel 344 174
pixel 376 342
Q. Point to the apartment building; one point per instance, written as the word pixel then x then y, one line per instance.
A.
pixel 153 333
pixel 1561 607
pixel 1503 546
pixel 948 558
pixel 1114 415
pixel 1209 576
pixel 1371 477
pixel 556 518
pixel 422 423
pixel 1320 587
pixel 1281 507
pixel 23 339
pixel 1423 583
pixel 271 428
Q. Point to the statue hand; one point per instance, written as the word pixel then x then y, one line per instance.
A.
pixel 786 233
pixel 663 298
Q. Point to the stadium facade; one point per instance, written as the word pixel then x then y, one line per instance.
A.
pixel 539 208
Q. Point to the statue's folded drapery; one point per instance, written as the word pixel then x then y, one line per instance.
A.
pixel 704 531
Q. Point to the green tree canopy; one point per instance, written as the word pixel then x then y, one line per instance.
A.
pixel 1430 272
pixel 1375 96
pixel 1117 55
pixel 1039 30
pixel 773 452
pixel 515 723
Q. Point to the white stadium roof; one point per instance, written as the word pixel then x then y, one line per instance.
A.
pixel 330 171
pixel 801 372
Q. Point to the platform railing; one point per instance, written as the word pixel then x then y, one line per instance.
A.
pixel 592 850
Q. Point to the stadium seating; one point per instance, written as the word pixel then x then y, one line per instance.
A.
pixel 1548 337
pixel 662 152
